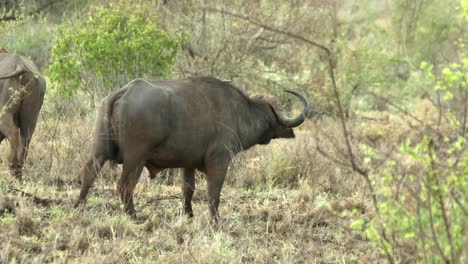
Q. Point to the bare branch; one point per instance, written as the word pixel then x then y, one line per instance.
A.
pixel 258 23
pixel 326 155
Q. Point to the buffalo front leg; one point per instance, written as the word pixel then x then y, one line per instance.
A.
pixel 188 187
pixel 89 172
pixel 126 187
pixel 215 179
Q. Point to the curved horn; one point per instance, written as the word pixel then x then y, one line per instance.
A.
pixel 296 121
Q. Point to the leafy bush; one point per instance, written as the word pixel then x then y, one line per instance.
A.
pixel 110 46
pixel 422 194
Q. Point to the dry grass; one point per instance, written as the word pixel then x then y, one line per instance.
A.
pixel 391 128
pixel 282 203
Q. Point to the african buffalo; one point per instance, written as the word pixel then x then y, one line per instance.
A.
pixel 22 90
pixel 197 123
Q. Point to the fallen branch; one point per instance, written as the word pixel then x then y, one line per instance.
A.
pixel 37 200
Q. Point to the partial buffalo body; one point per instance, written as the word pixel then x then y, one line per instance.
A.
pixel 22 90
pixel 194 124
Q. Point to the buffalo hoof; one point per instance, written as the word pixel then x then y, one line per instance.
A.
pixel 17 173
pixel 188 211
pixel 133 217
pixel 131 213
pixel 214 220
pixel 215 224
pixel 78 203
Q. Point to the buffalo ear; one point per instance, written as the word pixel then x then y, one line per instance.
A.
pixel 269 99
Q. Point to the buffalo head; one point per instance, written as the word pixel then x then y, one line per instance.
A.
pixel 282 126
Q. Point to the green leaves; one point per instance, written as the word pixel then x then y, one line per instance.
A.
pixel 464 4
pixel 110 46
pixel 357 224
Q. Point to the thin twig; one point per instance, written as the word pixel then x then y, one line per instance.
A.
pixel 326 155
pixel 457 201
pixel 441 201
pixel 384 160
pixel 431 218
pixel 336 146
pixel 444 117
pixel 421 232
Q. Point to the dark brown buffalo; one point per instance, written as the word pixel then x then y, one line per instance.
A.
pixel 198 123
pixel 22 90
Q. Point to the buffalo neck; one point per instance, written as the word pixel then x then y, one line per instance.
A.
pixel 255 126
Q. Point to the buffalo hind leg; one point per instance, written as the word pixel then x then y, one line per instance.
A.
pixel 126 186
pixel 27 125
pixel 188 187
pixel 24 140
pixel 215 179
pixel 9 129
pixel 89 172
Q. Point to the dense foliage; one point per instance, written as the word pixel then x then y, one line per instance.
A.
pixel 110 46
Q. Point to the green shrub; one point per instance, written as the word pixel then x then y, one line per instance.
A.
pixel 110 46
pixel 422 196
